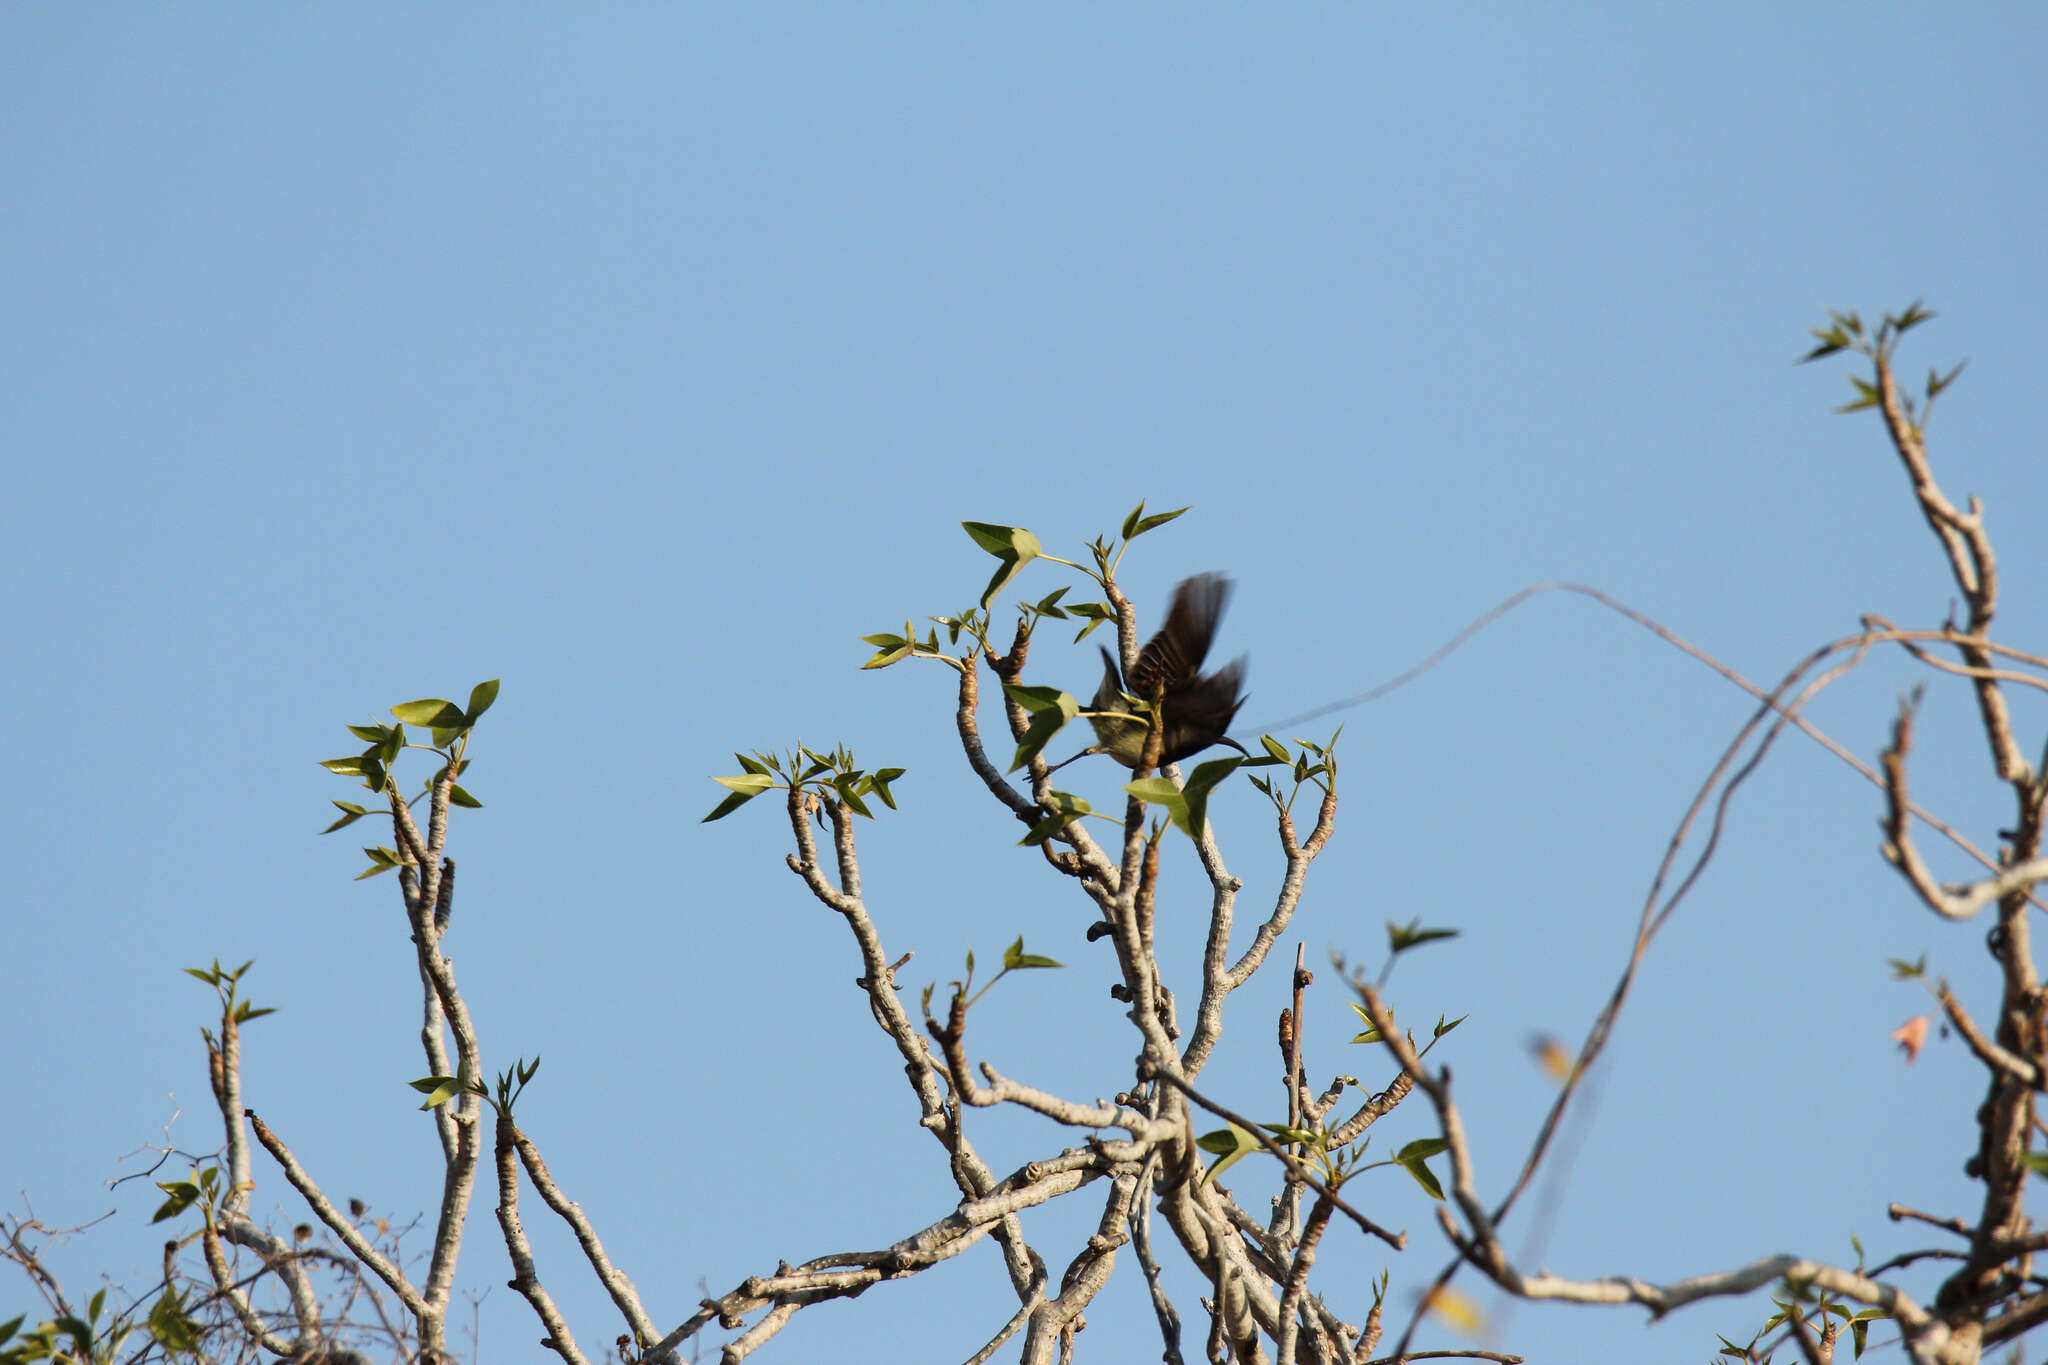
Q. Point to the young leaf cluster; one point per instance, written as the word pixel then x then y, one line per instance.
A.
pixel 510 1085
pixel 448 724
pixel 891 649
pixel 1231 1143
pixel 223 982
pixel 1013 547
pixel 1372 1035
pixel 1794 1303
pixel 832 774
pixel 99 1338
pixel 1109 554
pixel 1015 959
pixel 1400 939
pixel 1320 773
pixel 203 1190
pixel 1846 332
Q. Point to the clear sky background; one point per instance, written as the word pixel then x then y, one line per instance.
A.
pixel 646 356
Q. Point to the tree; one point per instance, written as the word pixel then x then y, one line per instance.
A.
pixel 1154 1158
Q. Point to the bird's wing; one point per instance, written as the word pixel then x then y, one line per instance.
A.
pixel 1174 656
pixel 1219 695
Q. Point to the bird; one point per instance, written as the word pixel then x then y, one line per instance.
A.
pixel 1196 708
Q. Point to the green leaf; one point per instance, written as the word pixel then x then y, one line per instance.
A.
pixel 997 540
pixel 438 1089
pixel 1867 396
pixel 1906 971
pixel 1859 1326
pixel 1832 339
pixel 381 860
pixel 1912 317
pixel 1935 384
pixel 848 786
pixel 744 789
pixel 1160 791
pixel 346 767
pixel 1012 545
pixel 1156 519
pixel 183 1195
pixel 171 1327
pixel 1067 808
pixel 1050 710
pixel 1195 795
pixel 1232 1144
pixel 458 797
pixel 889 649
pixel 1372 1033
pixel 1422 1147
pixel 2036 1161
pixel 1275 750
pixel 480 698
pixel 1016 959
pixel 1187 806
pixel 1137 523
pixel 878 782
pixel 1424 1177
pixel 1442 1028
pixel 350 813
pixel 1400 938
pixel 431 711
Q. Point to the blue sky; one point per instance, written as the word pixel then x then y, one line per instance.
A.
pixel 646 356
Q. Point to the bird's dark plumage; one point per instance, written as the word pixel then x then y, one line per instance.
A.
pixel 1196 710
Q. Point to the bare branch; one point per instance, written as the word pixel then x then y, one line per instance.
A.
pixel 1952 902
pixel 1971 561
pixel 614 1280
pixel 324 1210
pixel 1988 1052
pixel 525 1277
